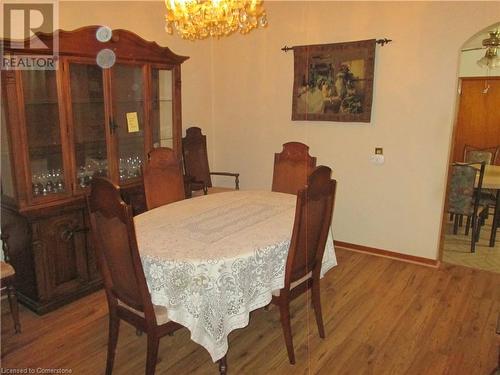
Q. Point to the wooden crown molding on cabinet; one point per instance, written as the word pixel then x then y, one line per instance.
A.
pixel 125 44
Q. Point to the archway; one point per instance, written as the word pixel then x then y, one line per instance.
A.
pixel 477 124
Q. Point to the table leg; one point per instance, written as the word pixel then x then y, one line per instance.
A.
pixel 14 309
pixel 223 366
pixel 496 221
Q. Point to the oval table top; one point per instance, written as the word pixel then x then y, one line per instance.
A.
pixel 213 259
pixel 222 225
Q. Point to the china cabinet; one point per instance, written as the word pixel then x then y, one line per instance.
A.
pixel 89 117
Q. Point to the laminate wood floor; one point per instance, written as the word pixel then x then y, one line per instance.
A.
pixel 381 316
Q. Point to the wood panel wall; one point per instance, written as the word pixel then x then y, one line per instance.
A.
pixel 478 121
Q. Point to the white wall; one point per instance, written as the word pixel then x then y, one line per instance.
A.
pixel 397 206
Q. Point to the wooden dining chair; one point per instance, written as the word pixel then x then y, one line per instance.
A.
pixel 7 280
pixel 464 198
pixel 292 167
pixel 121 268
pixel 488 155
pixel 120 265
pixel 313 216
pixel 195 155
pixel 163 178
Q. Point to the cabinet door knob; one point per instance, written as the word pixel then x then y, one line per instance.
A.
pixel 68 233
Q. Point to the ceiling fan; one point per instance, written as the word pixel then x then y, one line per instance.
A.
pixel 491 59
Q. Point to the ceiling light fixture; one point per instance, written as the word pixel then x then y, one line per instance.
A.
pixel 491 59
pixel 200 19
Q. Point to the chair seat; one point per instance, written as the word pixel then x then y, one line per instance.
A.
pixel 6 270
pixel 469 211
pixel 160 312
pixel 294 284
pixel 487 198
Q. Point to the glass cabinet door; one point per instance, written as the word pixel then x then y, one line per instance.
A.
pixel 128 118
pixel 89 122
pixel 161 104
pixel 43 132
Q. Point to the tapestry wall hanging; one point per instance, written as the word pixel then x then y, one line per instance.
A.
pixel 333 82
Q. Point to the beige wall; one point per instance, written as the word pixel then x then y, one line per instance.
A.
pixel 146 19
pixel 239 90
pixel 396 206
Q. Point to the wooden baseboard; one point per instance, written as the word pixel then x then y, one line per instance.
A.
pixel 388 254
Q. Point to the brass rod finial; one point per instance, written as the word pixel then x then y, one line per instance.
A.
pixel 383 41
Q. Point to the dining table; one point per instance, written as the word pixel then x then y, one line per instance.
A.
pixel 491 181
pixel 213 259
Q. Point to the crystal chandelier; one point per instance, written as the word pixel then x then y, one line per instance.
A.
pixel 491 59
pixel 199 19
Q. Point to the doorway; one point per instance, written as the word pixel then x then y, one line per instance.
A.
pixel 477 126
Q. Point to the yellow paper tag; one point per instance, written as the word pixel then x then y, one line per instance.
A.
pixel 132 122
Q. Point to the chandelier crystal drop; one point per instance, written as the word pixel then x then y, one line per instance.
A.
pixel 200 19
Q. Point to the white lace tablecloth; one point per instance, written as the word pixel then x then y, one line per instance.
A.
pixel 213 259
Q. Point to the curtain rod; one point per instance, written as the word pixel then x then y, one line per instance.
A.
pixel 382 42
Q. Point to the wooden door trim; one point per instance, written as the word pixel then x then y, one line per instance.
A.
pixel 481 78
pixel 451 154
